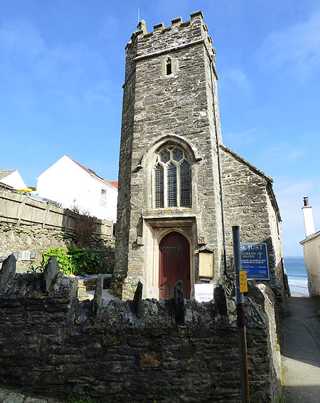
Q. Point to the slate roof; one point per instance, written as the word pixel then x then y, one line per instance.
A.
pixel 114 184
pixel 310 237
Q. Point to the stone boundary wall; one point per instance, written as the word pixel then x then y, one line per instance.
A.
pixel 53 345
pixel 29 226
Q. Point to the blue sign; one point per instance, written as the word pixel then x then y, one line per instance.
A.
pixel 254 260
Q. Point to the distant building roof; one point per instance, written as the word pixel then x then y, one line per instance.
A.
pixel 5 172
pixel 114 184
pixel 310 237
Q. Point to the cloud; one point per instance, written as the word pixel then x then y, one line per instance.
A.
pixel 30 66
pixel 296 48
pixel 236 78
pixel 21 37
pixel 284 152
pixel 99 93
pixel 242 137
pixel 295 154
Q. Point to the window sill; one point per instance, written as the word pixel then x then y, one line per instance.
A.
pixel 169 212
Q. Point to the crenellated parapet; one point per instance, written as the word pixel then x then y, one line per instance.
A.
pixel 164 39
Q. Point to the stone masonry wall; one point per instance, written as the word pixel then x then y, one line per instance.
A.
pixel 28 227
pixel 51 344
pixel 247 202
pixel 160 109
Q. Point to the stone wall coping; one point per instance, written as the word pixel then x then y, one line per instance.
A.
pixel 196 14
pixel 176 21
pixel 158 27
pixel 26 200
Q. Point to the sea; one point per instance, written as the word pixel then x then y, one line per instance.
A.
pixel 297 276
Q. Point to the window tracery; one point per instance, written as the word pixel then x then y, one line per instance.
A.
pixel 172 178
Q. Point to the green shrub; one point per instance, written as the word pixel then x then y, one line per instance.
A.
pixel 63 258
pixel 76 260
pixel 86 260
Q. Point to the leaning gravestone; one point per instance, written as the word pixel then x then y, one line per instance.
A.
pixel 7 273
pixel 97 299
pixel 136 303
pixel 50 273
pixel 178 303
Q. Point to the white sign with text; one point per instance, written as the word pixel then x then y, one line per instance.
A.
pixel 203 292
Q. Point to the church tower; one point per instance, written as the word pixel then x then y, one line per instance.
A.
pixel 169 224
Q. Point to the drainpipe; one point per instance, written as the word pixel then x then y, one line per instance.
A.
pixel 309 227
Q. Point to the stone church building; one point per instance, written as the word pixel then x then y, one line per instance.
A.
pixel 180 188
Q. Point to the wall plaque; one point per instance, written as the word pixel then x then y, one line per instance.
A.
pixel 205 264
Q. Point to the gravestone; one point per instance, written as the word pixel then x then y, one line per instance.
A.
pixel 7 273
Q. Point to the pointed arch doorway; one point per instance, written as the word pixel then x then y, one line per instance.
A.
pixel 174 264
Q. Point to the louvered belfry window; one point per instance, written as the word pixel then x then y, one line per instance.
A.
pixel 172 174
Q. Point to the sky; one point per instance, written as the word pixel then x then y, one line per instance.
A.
pixel 62 70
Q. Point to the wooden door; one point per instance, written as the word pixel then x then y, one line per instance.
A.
pixel 174 265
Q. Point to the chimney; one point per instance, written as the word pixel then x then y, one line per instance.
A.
pixel 308 217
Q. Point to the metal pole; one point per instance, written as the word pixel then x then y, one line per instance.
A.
pixel 244 380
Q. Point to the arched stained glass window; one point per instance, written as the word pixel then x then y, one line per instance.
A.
pixel 172 178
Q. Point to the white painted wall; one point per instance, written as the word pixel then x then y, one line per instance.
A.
pixel 311 251
pixel 67 183
pixel 15 180
pixel 309 227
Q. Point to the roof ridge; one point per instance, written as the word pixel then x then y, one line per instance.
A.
pixel 246 162
pixel 92 173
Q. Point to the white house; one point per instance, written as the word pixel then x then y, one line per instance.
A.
pixel 75 186
pixel 311 249
pixel 12 178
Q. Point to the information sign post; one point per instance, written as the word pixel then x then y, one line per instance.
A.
pixel 245 397
pixel 254 260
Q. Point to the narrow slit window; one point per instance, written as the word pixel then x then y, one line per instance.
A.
pixel 159 186
pixel 168 66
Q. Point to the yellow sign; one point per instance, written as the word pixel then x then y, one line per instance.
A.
pixel 243 281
